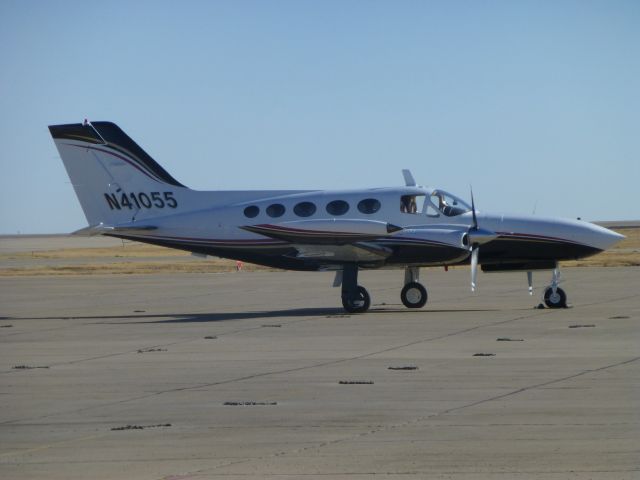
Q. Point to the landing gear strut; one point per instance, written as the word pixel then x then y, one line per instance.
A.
pixel 413 294
pixel 554 296
pixel 355 298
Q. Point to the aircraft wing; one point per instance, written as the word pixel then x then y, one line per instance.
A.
pixel 355 252
pixel 325 232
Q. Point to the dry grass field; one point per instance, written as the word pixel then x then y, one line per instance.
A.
pixel 137 258
pixel 624 254
pixel 128 258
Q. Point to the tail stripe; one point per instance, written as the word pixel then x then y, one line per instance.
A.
pixel 131 161
pixel 115 138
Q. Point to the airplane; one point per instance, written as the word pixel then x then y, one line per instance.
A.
pixel 124 193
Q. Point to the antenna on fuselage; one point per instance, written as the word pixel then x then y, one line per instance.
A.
pixel 409 181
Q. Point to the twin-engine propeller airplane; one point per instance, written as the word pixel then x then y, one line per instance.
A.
pixel 124 193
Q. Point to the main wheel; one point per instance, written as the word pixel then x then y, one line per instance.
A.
pixel 413 295
pixel 359 304
pixel 555 300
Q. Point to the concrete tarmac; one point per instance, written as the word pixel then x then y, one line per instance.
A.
pixel 238 375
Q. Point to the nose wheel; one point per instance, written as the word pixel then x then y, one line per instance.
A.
pixel 554 296
pixel 557 299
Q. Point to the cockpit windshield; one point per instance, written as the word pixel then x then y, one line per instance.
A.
pixel 447 204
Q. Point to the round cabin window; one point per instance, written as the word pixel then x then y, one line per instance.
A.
pixel 369 205
pixel 304 209
pixel 275 210
pixel 337 207
pixel 251 211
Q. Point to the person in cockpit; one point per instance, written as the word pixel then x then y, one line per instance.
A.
pixel 408 204
pixel 442 204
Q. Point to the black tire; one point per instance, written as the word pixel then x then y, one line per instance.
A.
pixel 359 304
pixel 559 300
pixel 413 295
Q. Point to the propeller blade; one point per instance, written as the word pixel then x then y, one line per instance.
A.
pixel 474 267
pixel 473 210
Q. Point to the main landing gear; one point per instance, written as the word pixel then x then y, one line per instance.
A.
pixel 413 294
pixel 356 299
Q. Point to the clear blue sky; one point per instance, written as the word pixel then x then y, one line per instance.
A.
pixel 534 103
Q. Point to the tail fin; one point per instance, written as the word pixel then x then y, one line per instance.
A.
pixel 115 180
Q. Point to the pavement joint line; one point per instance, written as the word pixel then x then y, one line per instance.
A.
pixel 276 372
pixel 50 445
pixel 534 313
pixel 471 474
pixel 279 372
pixel 384 428
pixel 110 355
pixel 367 432
pixel 410 473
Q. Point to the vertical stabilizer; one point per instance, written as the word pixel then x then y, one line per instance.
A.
pixel 115 180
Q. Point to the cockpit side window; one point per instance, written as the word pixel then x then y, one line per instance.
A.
pixel 432 209
pixel 447 204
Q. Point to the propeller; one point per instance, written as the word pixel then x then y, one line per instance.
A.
pixel 475 247
pixel 476 236
pixel 474 266
pixel 473 210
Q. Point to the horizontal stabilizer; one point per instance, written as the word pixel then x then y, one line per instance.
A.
pixel 102 229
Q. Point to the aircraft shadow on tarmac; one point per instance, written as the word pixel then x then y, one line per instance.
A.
pixel 150 318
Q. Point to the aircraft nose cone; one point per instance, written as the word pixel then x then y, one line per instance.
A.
pixel 603 238
pixel 611 237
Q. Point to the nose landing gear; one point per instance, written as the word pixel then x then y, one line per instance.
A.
pixel 557 299
pixel 554 296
